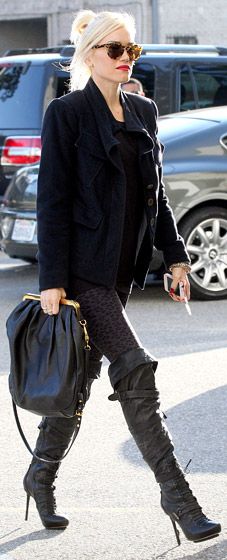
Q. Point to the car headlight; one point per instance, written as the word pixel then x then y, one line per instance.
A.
pixel 6 226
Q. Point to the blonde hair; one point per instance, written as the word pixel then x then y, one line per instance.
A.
pixel 81 21
pixel 95 28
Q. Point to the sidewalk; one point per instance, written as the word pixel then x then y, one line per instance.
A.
pixel 108 492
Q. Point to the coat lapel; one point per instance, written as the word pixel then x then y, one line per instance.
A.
pixel 100 110
pixel 133 123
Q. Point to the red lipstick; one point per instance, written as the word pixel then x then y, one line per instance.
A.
pixel 123 67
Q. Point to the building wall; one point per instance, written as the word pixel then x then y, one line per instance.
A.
pixel 15 33
pixel 207 21
pixel 60 13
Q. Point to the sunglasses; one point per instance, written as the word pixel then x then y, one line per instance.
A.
pixel 115 50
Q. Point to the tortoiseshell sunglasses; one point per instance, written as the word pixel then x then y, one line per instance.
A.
pixel 115 49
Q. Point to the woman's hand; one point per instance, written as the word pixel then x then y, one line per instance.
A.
pixel 179 277
pixel 50 300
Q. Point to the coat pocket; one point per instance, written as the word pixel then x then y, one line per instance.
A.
pixel 86 216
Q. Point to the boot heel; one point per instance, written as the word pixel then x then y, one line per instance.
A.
pixel 27 506
pixel 177 533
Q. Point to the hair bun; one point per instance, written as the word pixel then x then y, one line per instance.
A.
pixel 81 21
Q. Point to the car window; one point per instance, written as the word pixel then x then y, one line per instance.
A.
pixel 211 85
pixel 20 95
pixel 62 85
pixel 187 96
pixel 145 72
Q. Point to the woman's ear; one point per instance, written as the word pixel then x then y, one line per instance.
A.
pixel 89 61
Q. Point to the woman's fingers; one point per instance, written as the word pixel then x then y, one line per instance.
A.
pixel 174 295
pixel 180 287
pixel 50 300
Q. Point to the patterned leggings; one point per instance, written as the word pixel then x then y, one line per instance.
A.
pixel 109 328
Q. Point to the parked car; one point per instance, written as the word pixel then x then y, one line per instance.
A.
pixel 195 174
pixel 177 77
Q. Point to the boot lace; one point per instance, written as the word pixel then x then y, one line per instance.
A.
pixel 45 500
pixel 188 502
pixel 44 496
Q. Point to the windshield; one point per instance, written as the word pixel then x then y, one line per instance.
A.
pixel 20 95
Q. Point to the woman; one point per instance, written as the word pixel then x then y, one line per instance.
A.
pixel 101 208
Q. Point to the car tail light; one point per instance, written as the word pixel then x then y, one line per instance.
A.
pixel 21 150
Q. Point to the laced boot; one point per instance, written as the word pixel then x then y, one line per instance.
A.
pixel 140 403
pixel 54 437
pixel 38 483
pixel 182 507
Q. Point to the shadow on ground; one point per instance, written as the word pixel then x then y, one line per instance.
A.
pixel 211 553
pixel 10 545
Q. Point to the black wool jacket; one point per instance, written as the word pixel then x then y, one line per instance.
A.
pixel 81 191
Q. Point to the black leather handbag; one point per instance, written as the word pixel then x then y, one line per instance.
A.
pixel 49 360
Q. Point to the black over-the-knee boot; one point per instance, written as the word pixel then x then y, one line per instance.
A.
pixel 139 400
pixel 53 440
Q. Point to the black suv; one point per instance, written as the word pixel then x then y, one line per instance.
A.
pixel 177 77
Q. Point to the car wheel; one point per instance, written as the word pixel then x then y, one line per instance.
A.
pixel 205 235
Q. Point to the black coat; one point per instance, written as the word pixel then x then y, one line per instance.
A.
pixel 81 191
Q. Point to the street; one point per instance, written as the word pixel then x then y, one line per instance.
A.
pixel 104 486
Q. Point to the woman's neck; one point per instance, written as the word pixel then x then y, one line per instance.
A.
pixel 111 94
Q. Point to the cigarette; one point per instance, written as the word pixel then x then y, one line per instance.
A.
pixel 188 309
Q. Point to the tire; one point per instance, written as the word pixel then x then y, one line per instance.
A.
pixel 205 235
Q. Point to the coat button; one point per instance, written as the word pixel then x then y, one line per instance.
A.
pixel 150 186
pixel 150 201
pixel 152 221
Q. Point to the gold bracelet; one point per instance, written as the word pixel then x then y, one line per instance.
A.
pixel 185 265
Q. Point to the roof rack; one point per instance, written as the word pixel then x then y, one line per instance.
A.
pixel 37 50
pixel 183 48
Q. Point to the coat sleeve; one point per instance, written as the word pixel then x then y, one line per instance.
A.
pixel 167 238
pixel 54 200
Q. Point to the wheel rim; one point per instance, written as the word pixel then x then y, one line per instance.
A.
pixel 207 247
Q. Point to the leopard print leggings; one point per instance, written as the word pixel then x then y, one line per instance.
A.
pixel 110 330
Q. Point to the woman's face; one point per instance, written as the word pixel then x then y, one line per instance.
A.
pixel 106 69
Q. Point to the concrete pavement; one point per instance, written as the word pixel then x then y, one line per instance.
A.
pixel 108 492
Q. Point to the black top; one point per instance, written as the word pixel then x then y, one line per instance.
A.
pixel 133 205
pixel 133 211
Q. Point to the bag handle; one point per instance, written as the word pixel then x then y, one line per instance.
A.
pixel 75 305
pixel 75 434
pixel 81 402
